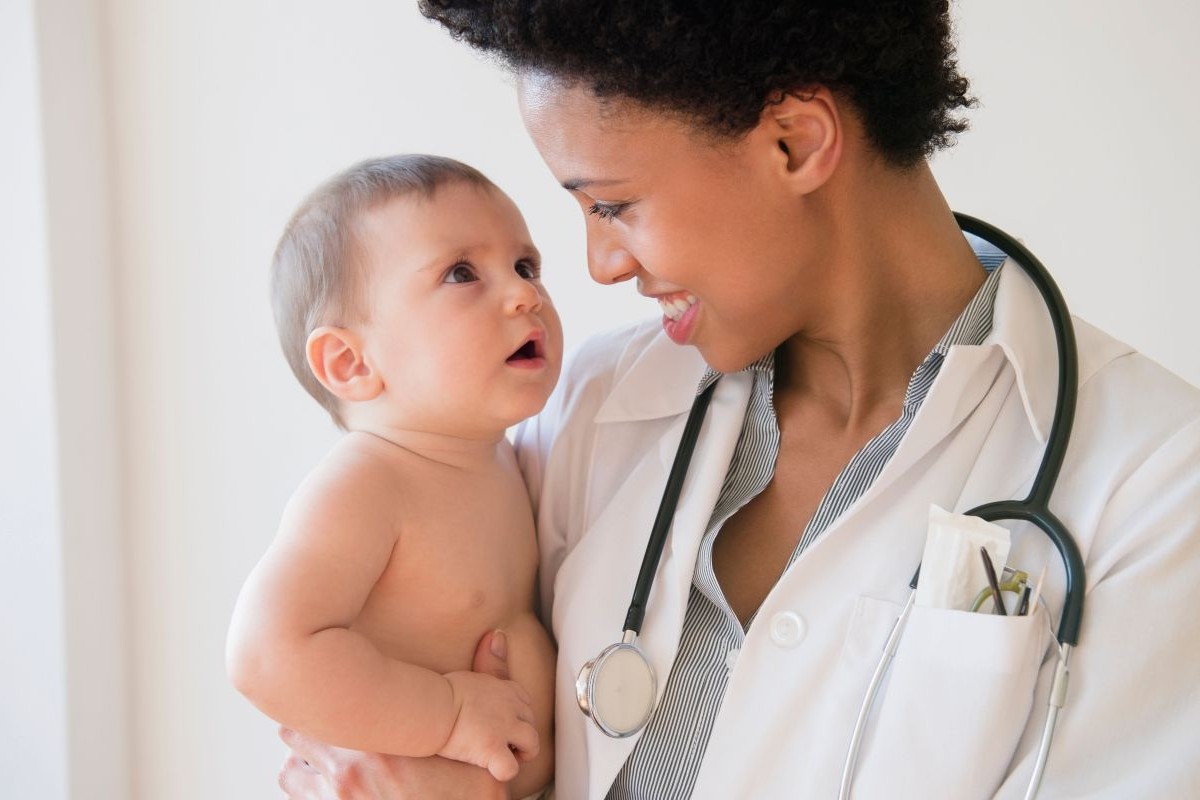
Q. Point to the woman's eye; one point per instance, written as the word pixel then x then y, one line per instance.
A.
pixel 461 273
pixel 528 270
pixel 607 211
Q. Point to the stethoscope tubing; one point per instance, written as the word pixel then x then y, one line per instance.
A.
pixel 1035 507
pixel 666 511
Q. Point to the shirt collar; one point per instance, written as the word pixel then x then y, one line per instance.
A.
pixel 970 328
pixel 765 364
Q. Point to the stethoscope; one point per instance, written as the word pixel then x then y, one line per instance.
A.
pixel 617 688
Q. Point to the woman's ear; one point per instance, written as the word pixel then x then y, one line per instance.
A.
pixel 806 129
pixel 336 358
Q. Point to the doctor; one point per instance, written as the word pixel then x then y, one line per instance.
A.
pixel 760 174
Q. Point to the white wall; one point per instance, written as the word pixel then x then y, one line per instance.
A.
pixel 63 669
pixel 76 175
pixel 1085 147
pixel 33 718
pixel 223 114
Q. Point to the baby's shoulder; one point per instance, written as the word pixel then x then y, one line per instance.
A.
pixel 352 487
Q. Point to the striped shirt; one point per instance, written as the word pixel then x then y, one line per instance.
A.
pixel 666 760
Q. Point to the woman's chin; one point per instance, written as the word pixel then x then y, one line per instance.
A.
pixel 727 360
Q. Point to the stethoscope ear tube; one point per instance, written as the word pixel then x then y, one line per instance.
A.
pixel 666 510
pixel 1035 508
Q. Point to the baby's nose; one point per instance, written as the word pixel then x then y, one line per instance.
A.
pixel 524 297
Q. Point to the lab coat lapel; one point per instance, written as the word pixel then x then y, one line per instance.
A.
pixel 965 378
pixel 1020 329
pixel 615 543
pixel 710 463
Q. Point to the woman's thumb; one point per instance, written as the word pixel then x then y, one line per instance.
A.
pixel 491 655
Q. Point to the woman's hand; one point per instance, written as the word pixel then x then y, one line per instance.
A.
pixel 317 771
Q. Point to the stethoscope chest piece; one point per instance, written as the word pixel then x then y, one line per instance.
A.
pixel 616 689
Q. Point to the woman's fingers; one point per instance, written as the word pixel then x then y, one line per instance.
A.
pixel 317 771
pixel 313 753
pixel 336 774
pixel 299 777
pixel 299 781
pixel 341 774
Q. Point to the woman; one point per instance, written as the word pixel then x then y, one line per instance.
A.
pixel 759 170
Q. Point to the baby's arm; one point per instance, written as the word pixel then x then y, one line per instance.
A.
pixel 293 653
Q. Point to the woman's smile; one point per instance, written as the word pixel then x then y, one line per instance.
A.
pixel 680 311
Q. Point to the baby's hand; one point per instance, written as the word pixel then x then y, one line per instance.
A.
pixel 494 727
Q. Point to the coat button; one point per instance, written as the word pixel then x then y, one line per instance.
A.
pixel 787 629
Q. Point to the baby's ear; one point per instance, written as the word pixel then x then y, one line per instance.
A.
pixel 335 356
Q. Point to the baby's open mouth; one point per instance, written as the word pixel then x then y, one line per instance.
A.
pixel 531 349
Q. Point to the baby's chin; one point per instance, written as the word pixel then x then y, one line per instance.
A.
pixel 526 410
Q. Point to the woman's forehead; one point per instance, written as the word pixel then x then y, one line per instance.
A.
pixel 547 99
pixel 583 137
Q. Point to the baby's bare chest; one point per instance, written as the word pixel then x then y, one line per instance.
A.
pixel 465 562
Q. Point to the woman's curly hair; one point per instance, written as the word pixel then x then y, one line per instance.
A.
pixel 720 62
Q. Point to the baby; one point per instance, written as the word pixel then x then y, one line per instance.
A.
pixel 408 299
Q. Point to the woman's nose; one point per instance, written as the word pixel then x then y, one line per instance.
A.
pixel 608 261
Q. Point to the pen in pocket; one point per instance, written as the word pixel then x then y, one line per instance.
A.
pixel 997 598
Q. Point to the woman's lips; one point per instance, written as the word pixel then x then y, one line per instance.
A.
pixel 679 316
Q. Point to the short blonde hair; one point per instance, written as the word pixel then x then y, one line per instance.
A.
pixel 317 276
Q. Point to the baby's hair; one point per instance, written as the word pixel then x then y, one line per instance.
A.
pixel 317 275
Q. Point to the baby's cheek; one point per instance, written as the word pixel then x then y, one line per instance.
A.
pixel 553 323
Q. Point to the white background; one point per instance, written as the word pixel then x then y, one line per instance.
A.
pixel 150 431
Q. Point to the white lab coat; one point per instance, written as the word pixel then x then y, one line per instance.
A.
pixel 965 700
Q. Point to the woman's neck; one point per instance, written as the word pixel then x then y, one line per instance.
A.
pixel 901 273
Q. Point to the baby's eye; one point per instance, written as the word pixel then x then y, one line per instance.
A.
pixel 460 273
pixel 528 270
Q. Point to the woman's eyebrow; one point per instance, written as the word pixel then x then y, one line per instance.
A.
pixel 583 183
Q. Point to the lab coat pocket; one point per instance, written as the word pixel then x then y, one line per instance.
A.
pixel 954 705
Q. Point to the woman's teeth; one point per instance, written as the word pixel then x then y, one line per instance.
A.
pixel 675 307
